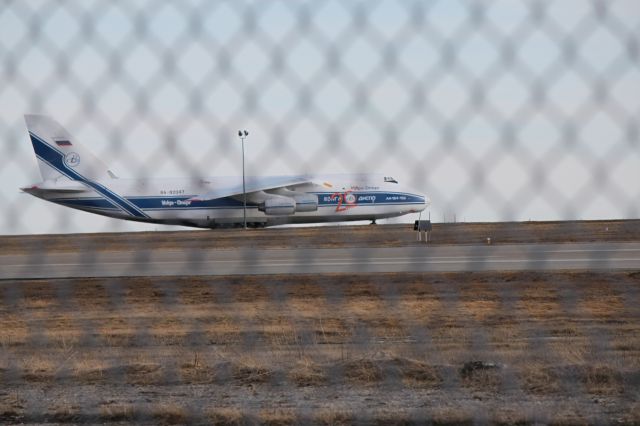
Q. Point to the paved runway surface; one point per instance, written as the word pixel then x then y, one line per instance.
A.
pixel 598 256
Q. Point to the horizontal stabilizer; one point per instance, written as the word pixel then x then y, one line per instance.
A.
pixel 57 186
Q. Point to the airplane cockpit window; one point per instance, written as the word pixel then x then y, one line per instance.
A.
pixel 389 179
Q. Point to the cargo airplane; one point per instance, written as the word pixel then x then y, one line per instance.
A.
pixel 73 177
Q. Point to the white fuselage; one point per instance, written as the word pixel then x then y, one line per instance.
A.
pixel 174 201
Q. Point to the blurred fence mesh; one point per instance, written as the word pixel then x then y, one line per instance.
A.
pixel 497 110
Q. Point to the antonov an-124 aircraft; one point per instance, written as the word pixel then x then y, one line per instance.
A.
pixel 73 177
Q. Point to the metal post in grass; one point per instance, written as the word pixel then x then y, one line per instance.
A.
pixel 243 134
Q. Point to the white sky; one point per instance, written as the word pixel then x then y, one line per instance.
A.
pixel 501 110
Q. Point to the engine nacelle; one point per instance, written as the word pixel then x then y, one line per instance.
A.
pixel 304 202
pixel 282 202
pixel 278 206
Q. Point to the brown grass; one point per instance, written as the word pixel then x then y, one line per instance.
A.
pixel 601 379
pixel 278 417
pixel 118 412
pixel 538 379
pixel 334 417
pixel 229 416
pixel 231 333
pixel 306 373
pixel 167 413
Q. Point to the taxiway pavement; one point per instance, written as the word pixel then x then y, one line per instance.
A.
pixel 453 258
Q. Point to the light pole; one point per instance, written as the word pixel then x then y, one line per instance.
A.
pixel 243 134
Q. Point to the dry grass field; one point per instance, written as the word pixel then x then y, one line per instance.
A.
pixel 329 237
pixel 558 348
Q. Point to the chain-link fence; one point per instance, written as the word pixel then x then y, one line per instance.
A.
pixel 502 110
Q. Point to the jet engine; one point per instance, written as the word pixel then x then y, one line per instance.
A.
pixel 271 204
pixel 283 202
pixel 304 202
pixel 278 206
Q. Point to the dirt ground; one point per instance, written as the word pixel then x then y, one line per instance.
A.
pixel 334 236
pixel 451 348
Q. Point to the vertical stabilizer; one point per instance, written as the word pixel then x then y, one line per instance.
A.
pixel 59 154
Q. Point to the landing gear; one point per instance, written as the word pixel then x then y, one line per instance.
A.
pixel 373 222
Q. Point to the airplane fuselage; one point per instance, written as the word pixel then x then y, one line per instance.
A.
pixel 171 201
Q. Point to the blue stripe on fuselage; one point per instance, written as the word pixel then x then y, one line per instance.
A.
pixel 184 202
pixel 157 203
pixel 369 198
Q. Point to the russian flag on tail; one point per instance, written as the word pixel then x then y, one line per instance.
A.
pixel 63 142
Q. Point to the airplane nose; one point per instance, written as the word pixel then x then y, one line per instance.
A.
pixel 424 202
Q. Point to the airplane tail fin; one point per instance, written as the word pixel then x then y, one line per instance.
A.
pixel 59 154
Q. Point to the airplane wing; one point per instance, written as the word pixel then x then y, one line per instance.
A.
pixel 253 184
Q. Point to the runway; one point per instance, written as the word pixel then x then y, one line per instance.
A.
pixel 448 258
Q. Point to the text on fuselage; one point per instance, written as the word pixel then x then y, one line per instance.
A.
pixel 176 203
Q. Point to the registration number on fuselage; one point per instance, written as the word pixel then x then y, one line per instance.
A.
pixel 171 191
